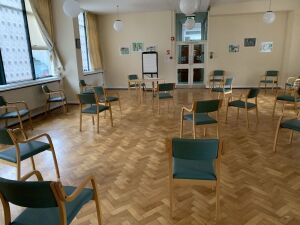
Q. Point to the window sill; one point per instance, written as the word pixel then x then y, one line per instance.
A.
pixel 29 83
pixel 87 73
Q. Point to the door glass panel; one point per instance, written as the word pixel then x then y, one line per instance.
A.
pixel 183 76
pixel 198 53
pixel 198 75
pixel 183 54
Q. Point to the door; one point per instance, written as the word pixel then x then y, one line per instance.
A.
pixel 190 63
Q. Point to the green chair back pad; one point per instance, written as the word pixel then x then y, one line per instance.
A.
pixel 166 87
pixel 218 73
pixel 207 106
pixel 195 149
pixel 228 82
pixel 132 77
pixel 253 93
pixel 272 73
pixel 87 98
pixel 46 89
pixel 28 194
pixel 82 83
pixel 5 138
pixel 2 101
pixel 99 91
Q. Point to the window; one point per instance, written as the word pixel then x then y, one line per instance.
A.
pixel 193 34
pixel 83 42
pixel 24 54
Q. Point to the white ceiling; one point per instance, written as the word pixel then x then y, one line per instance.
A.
pixel 128 6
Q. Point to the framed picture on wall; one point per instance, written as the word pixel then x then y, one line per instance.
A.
pixel 266 47
pixel 124 50
pixel 233 48
pixel 249 42
pixel 137 46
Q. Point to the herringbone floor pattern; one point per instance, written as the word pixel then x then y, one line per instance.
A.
pixel 258 187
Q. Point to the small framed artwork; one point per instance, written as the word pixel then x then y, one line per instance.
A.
pixel 266 47
pixel 124 50
pixel 233 48
pixel 137 46
pixel 249 42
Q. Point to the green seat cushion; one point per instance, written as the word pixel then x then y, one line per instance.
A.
pixel 88 92
pixel 26 149
pixel 110 99
pixel 200 118
pixel 164 95
pixel 193 169
pixel 50 216
pixel 93 109
pixel 241 104
pixel 288 98
pixel 14 114
pixel 293 124
pixel 56 99
pixel 222 90
pixel 268 81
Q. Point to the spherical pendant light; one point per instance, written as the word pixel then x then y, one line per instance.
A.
pixel 118 25
pixel 269 17
pixel 188 7
pixel 71 8
pixel 189 23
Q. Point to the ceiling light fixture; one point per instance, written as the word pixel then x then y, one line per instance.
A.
pixel 269 16
pixel 71 8
pixel 188 7
pixel 118 24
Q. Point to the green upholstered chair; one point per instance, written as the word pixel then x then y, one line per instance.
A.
pixel 85 88
pixel 46 202
pixel 194 162
pixel 271 78
pixel 94 108
pixel 290 124
pixel 133 82
pixel 102 97
pixel 54 97
pixel 244 103
pixel 17 150
pixel 225 89
pixel 14 110
pixel 165 93
pixel 291 96
pixel 216 78
pixel 199 115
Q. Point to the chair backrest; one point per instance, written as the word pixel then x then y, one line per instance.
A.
pixel 5 138
pixel 253 93
pixel 207 106
pixel 218 73
pixel 31 194
pixel 133 77
pixel 195 149
pixel 228 82
pixel 2 101
pixel 45 89
pixel 82 83
pixel 88 98
pixel 99 92
pixel 291 80
pixel 166 87
pixel 272 73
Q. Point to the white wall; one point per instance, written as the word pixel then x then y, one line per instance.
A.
pixel 152 28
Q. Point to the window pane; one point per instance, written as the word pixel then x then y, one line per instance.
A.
pixel 183 76
pixel 193 34
pixel 13 42
pixel 83 42
pixel 41 60
pixel 198 75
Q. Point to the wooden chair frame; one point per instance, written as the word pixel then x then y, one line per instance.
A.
pixel 57 93
pixel 266 77
pixel 183 182
pixel 60 196
pixel 205 126
pixel 115 93
pixel 167 99
pixel 212 82
pixel 98 119
pixel 277 132
pixel 283 102
pixel 245 97
pixel 12 134
pixel 14 106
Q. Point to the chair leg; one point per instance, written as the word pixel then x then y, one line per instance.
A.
pixel 93 120
pixel 158 107
pixel 55 164
pixel 291 137
pixel 282 110
pixel 21 123
pixel 274 107
pixel 247 117
pixel 276 135
pixel 18 170
pixel 111 117
pixel 80 122
pixel 226 112
pixel 30 120
pixel 98 123
pixel 32 163
pixel 257 119
pixel 120 106
pixel 181 126
pixel 97 203
pixel 194 130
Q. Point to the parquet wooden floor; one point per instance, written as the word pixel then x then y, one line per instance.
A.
pixel 258 187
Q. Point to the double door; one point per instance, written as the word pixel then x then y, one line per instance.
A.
pixel 191 63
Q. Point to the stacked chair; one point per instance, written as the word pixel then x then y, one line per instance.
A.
pixel 270 78
pixel 216 79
